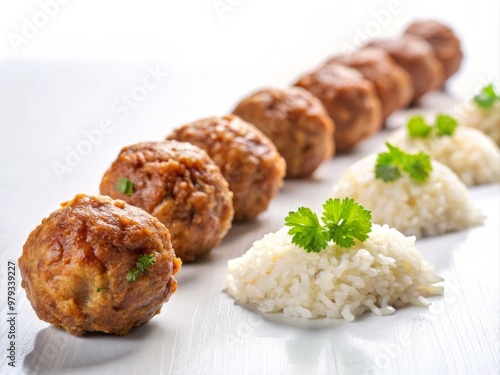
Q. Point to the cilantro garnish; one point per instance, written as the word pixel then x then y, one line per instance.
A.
pixel 486 97
pixel 390 164
pixel 125 186
pixel 142 265
pixel 343 221
pixel 418 128
pixel 307 232
pixel 445 125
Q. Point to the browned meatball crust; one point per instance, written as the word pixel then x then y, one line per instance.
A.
pixel 444 42
pixel 180 185
pixel 417 57
pixel 247 158
pixel 296 122
pixel 349 99
pixel 74 266
pixel 392 83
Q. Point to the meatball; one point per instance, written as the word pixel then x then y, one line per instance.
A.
pixel 444 42
pixel 181 186
pixel 296 122
pixel 417 57
pixel 349 99
pixel 392 83
pixel 76 266
pixel 247 158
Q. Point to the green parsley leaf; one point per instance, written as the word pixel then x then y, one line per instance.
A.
pixel 343 221
pixel 386 169
pixel 145 261
pixel 142 265
pixel 486 97
pixel 100 288
pixel 125 186
pixel 346 220
pixel 387 172
pixel 418 166
pixel 418 128
pixel 132 275
pixel 389 165
pixel 445 125
pixel 396 153
pixel 306 230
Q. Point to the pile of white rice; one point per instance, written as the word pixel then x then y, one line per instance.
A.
pixel 472 155
pixel 486 120
pixel 439 205
pixel 384 271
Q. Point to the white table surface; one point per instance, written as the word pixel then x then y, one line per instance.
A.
pixel 59 86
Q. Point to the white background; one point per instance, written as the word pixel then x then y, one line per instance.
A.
pixel 73 74
pixel 280 35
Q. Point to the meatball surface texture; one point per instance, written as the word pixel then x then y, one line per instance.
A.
pixel 247 158
pixel 181 186
pixel 296 122
pixel 417 57
pixel 443 40
pixel 350 100
pixel 392 83
pixel 75 264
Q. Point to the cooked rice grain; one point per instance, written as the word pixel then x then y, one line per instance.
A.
pixel 384 271
pixel 486 120
pixel 472 155
pixel 439 205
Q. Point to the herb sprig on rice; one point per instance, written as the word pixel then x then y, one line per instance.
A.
pixel 343 221
pixel 487 97
pixel 349 265
pixel 444 126
pixel 390 164
pixel 384 272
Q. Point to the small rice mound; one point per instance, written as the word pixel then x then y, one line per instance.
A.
pixel 472 155
pixel 384 272
pixel 486 120
pixel 439 205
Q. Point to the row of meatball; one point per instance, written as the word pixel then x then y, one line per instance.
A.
pixel 357 91
pixel 274 132
pixel 205 174
pixel 111 266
